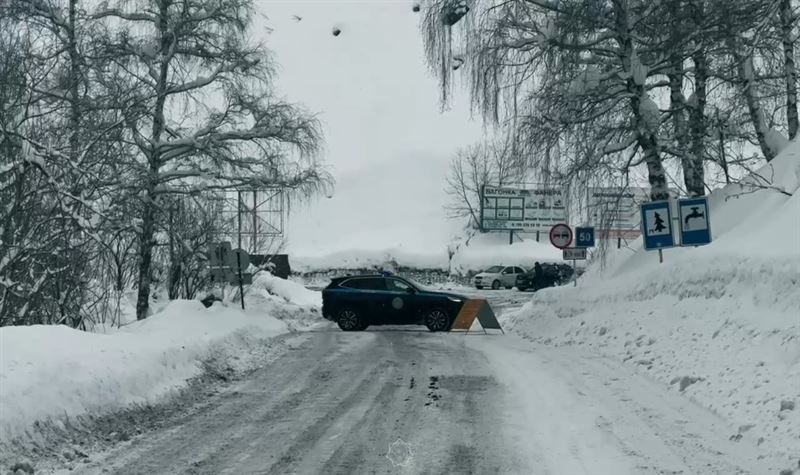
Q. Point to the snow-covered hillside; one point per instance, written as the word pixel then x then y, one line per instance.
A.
pixel 720 323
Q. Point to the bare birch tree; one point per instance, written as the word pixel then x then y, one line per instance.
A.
pixel 206 116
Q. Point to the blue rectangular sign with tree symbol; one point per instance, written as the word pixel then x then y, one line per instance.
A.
pixel 657 225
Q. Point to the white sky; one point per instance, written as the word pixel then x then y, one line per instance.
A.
pixel 386 140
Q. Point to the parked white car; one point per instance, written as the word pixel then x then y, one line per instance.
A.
pixel 498 276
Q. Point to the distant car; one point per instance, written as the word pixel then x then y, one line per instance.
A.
pixel 498 276
pixel 550 276
pixel 356 302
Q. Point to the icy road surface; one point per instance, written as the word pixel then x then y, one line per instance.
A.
pixel 402 400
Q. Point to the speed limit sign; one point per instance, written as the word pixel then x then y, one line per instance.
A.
pixel 561 236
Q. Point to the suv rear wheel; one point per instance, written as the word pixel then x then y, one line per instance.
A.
pixel 437 320
pixel 349 320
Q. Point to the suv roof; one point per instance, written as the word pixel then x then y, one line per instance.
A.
pixel 335 281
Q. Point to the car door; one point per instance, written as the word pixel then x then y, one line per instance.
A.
pixel 366 294
pixel 401 305
pixel 508 277
pixel 518 271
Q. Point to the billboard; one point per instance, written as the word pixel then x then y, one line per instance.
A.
pixel 513 209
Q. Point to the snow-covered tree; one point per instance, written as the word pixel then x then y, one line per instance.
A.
pixel 493 163
pixel 115 119
pixel 601 87
pixel 205 115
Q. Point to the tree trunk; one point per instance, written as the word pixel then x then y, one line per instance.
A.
pixel 744 66
pixel 694 174
pixel 146 244
pixel 787 21
pixel 680 128
pixel 692 170
pixel 646 138
pixel 74 82
pixel 147 241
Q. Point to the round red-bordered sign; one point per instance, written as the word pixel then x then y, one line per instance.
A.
pixel 561 236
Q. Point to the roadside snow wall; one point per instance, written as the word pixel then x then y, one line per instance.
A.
pixel 50 373
pixel 720 323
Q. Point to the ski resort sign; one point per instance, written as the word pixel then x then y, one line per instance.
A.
pixel 514 209
pixel 614 211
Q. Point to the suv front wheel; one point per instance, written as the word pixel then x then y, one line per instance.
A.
pixel 349 320
pixel 437 320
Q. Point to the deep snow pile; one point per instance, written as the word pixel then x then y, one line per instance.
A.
pixel 486 250
pixel 434 257
pixel 49 373
pixel 720 323
pixel 291 302
pixel 461 258
pixel 290 291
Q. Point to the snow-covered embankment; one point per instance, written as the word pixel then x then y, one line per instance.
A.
pixel 53 373
pixel 719 323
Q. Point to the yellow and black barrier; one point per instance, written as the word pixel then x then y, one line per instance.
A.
pixel 472 309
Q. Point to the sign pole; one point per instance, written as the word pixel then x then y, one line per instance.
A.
pixel 238 255
pixel 511 237
pixel 575 271
pixel 241 287
pixel 660 256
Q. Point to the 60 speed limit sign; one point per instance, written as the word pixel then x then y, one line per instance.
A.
pixel 561 236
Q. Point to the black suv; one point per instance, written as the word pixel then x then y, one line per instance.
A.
pixel 548 275
pixel 355 302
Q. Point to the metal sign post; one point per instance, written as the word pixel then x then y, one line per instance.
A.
pixel 241 287
pixel 574 254
pixel 229 266
pixel 241 259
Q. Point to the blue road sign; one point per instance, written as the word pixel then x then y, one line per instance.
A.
pixel 584 237
pixel 695 222
pixel 657 225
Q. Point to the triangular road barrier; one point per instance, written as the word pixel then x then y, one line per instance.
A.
pixel 472 309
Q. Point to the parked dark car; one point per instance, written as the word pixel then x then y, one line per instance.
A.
pixel 356 302
pixel 544 275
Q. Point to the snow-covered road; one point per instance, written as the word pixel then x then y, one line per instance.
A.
pixel 402 400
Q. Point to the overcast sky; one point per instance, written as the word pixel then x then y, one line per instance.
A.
pixel 386 140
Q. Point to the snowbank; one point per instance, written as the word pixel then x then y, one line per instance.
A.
pixel 480 252
pixel 434 257
pixel 291 302
pixel 289 291
pixel 719 323
pixel 56 372
pixel 486 250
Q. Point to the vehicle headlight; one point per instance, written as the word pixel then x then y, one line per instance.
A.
pixel 454 299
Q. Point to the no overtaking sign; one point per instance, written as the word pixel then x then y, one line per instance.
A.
pixel 561 236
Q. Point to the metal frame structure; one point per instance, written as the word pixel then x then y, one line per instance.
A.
pixel 252 218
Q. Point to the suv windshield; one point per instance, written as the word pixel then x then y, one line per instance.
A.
pixel 493 270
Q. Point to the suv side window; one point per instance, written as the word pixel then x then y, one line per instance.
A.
pixel 365 283
pixel 395 285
